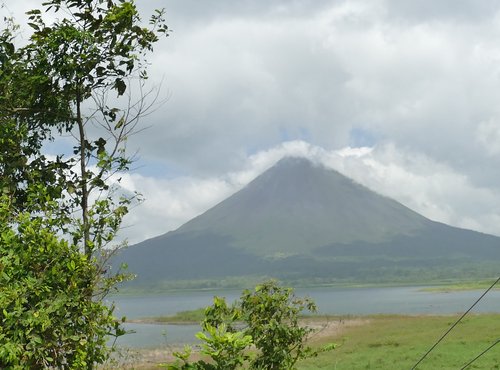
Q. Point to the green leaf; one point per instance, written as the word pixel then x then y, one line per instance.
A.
pixel 120 86
pixel 120 123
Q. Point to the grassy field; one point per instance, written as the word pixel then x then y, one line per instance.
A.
pixel 397 342
pixel 393 342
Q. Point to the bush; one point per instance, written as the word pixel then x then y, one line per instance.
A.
pixel 46 318
pixel 260 331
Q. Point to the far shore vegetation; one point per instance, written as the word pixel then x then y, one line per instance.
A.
pixel 461 286
pixel 182 317
pixel 238 283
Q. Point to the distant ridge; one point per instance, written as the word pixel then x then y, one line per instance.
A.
pixel 300 220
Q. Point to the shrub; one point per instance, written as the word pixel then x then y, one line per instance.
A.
pixel 260 331
pixel 46 318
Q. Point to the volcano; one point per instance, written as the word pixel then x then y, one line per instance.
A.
pixel 302 221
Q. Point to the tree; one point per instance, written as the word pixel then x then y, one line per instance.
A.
pixel 21 163
pixel 82 58
pixel 260 331
pixel 71 79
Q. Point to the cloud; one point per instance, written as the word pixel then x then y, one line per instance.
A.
pixel 243 78
pixel 488 136
pixel 429 10
pixel 419 182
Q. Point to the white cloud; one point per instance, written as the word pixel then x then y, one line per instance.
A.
pixel 248 77
pixel 488 136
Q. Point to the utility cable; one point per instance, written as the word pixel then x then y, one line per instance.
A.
pixel 482 353
pixel 455 324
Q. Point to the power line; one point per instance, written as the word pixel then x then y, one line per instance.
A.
pixel 482 353
pixel 455 324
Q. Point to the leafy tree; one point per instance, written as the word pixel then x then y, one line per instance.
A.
pixel 28 113
pixel 78 60
pixel 260 331
pixel 72 79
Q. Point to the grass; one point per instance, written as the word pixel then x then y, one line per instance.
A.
pixel 397 342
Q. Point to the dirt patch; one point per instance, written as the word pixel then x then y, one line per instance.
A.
pixel 332 327
pixel 145 359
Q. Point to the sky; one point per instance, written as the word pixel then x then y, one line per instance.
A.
pixel 400 95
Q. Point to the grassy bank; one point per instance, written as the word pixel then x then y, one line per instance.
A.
pixel 461 286
pixel 182 317
pixel 391 342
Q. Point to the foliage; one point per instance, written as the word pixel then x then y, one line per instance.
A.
pixel 260 331
pixel 272 315
pixel 62 213
pixel 16 142
pixel 46 319
pixel 77 61
pixel 225 347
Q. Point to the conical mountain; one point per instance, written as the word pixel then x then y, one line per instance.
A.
pixel 299 220
pixel 296 206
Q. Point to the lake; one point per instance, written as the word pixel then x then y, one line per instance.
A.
pixel 330 300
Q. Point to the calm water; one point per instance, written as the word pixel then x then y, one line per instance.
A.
pixel 339 301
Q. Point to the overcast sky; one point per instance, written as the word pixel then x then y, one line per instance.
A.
pixel 401 95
